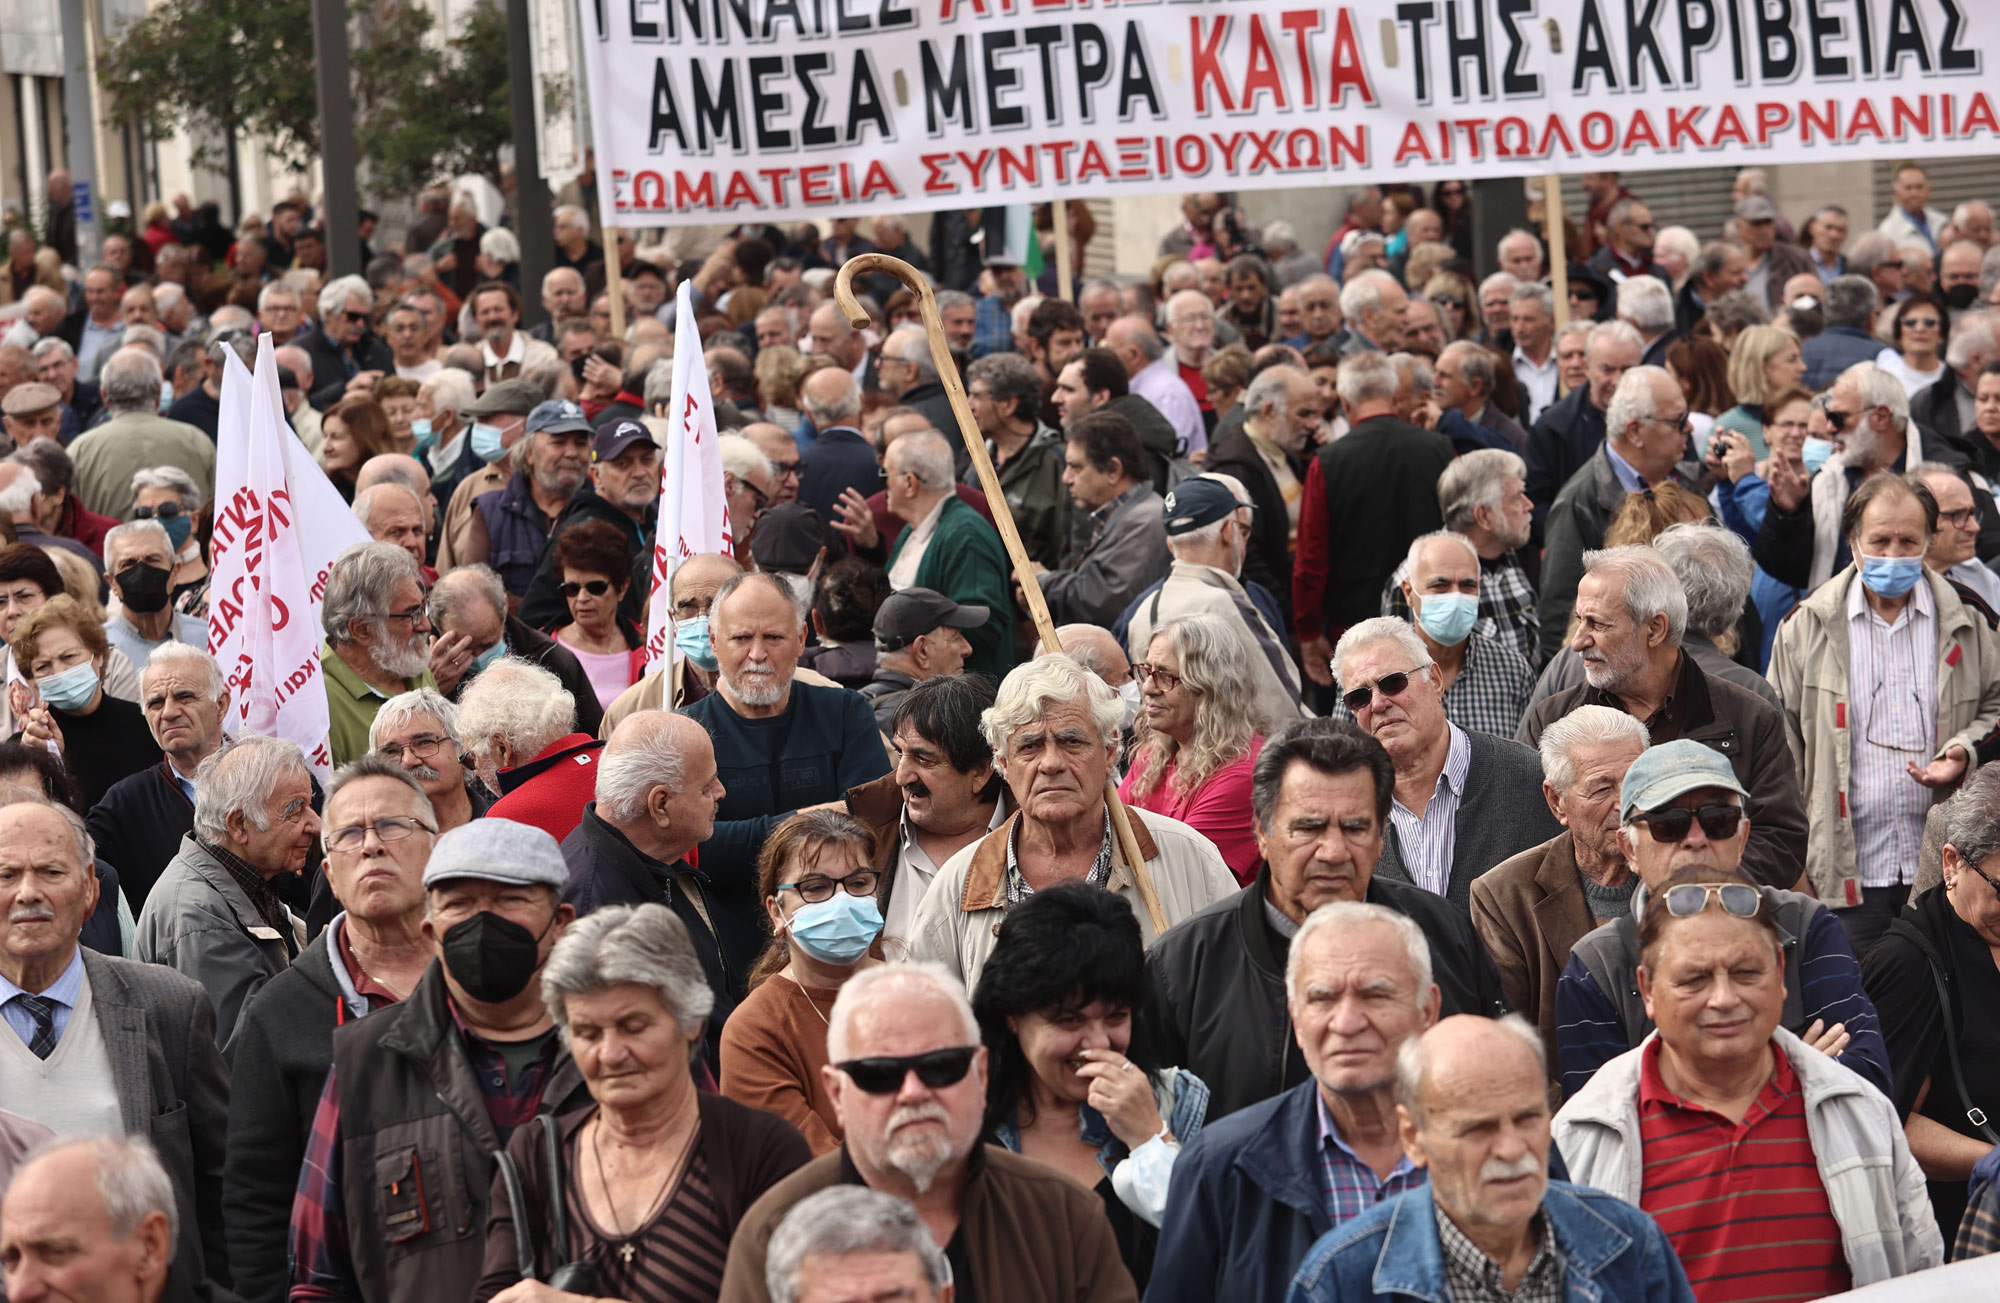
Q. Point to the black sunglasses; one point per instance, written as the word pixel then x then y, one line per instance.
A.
pixel 1389 685
pixel 355 316
pixel 595 587
pixel 1718 822
pixel 885 1076
pixel 165 511
pixel 1691 898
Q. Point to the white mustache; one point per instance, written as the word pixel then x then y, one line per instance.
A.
pixel 1499 1169
pixel 30 914
pixel 749 669
pixel 915 1113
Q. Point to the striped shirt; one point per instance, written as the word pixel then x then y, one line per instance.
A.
pixel 1428 839
pixel 1741 1202
pixel 677 1255
pixel 1350 1186
pixel 1508 610
pixel 1892 722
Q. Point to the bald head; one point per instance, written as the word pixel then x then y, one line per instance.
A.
pixel 696 580
pixel 657 784
pixel 832 335
pixel 393 468
pixel 89 1220
pixel 1095 649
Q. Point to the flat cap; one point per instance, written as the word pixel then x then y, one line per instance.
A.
pixel 497 850
pixel 25 400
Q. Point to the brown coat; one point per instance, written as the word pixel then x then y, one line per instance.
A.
pixel 1027 1233
pixel 1529 911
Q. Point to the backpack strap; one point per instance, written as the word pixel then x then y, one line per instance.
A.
pixel 1941 979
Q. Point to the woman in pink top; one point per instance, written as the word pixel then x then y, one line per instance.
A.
pixel 1199 734
pixel 596 564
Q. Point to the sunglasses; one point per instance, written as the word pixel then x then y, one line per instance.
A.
pixel 1718 822
pixel 595 587
pixel 354 316
pixel 1389 685
pixel 165 511
pixel 1691 898
pixel 885 1076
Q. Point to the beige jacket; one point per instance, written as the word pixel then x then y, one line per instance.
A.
pixel 1809 671
pixel 961 914
pixel 463 540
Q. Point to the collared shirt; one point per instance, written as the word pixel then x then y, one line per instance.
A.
pixel 1472 1277
pixel 96 343
pixel 256 886
pixel 1350 1186
pixel 1290 487
pixel 1507 604
pixel 1664 724
pixel 504 366
pixel 1160 384
pixel 904 572
pixel 365 985
pixel 992 327
pixel 1538 381
pixel 63 993
pixel 1828 272
pixel 914 871
pixel 1018 889
pixel 1628 475
pixel 1428 839
pixel 1892 722
pixel 1492 689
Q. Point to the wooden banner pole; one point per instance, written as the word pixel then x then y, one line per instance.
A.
pixel 1065 285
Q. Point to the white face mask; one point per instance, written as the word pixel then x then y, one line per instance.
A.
pixel 1128 692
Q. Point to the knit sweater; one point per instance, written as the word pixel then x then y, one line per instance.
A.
pixel 138 827
pixel 773 1048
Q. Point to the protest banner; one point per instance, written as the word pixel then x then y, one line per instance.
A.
pixel 279 525
pixel 694 509
pixel 710 110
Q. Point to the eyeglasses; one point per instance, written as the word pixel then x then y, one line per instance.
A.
pixel 595 587
pixel 164 511
pixel 1691 898
pixel 423 748
pixel 388 829
pixel 1958 519
pixel 354 317
pixel 763 498
pixel 1167 680
pixel 1982 877
pixel 1389 685
pixel 1921 323
pixel 413 615
pixel 1679 423
pixel 1449 301
pixel 885 1076
pixel 818 887
pixel 1837 418
pixel 785 468
pixel 1718 822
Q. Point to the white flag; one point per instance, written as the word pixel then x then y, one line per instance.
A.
pixel 694 509
pixel 279 524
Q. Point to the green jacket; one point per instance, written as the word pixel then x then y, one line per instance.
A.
pixel 351 705
pixel 966 562
pixel 1032 481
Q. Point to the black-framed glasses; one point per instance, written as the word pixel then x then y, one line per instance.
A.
pixel 413 615
pixel 164 511
pixel 1679 423
pixel 763 498
pixel 1389 685
pixel 1167 679
pixel 885 1076
pixel 353 317
pixel 595 587
pixel 388 829
pixel 817 887
pixel 1958 519
pixel 1837 418
pixel 424 747
pixel 1981 876
pixel 1691 898
pixel 1718 822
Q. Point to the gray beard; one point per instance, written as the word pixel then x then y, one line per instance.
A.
pixel 759 689
pixel 406 662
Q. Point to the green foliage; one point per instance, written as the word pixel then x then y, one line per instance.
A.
pixel 428 110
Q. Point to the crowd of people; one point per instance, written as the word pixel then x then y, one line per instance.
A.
pixel 1561 862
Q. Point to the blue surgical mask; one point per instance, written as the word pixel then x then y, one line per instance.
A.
pixel 486 442
pixel 487 657
pixel 421 428
pixel 166 394
pixel 838 930
pixel 1448 617
pixel 691 636
pixel 70 690
pixel 1814 453
pixel 1891 577
pixel 178 528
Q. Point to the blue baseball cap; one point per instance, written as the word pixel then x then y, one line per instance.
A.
pixel 1674 769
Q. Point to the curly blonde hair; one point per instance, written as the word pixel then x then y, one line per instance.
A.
pixel 1215 666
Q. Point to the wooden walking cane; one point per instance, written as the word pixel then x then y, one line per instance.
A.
pixel 996 501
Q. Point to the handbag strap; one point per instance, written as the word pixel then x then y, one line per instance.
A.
pixel 1933 961
pixel 524 1248
pixel 558 1194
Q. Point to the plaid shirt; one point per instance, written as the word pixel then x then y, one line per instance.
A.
pixel 256 886
pixel 1979 1228
pixel 1507 611
pixel 1472 1277
pixel 992 327
pixel 1018 889
pixel 1350 1186
pixel 321 1265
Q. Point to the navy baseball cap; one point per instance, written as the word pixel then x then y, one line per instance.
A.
pixel 615 438
pixel 1198 501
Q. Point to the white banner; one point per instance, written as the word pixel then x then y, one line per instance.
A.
pixel 279 524
pixel 694 509
pixel 722 110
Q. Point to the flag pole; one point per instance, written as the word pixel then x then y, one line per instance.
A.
pixel 1059 211
pixel 996 500
pixel 614 285
pixel 1552 231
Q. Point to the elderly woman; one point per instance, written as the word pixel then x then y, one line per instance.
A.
pixel 650 1182
pixel 356 429
pixel 28 578
pixel 1742 492
pixel 62 649
pixel 1456 299
pixel 1764 362
pixel 1938 967
pixel 1921 329
pixel 169 495
pixel 499 257
pixel 781 369
pixel 1066 1086
pixel 596 566
pixel 1199 734
pixel 817 880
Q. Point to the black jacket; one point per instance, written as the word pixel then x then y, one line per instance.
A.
pixel 1269 560
pixel 1558 446
pixel 1380 482
pixel 138 826
pixel 1217 1006
pixel 1576 524
pixel 1501 814
pixel 1155 432
pixel 332 368
pixel 543 606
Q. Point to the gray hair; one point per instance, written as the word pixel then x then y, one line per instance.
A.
pixel 1364 293
pixel 571 216
pixel 1517 234
pixel 1421 541
pixel 371 765
pixel 1365 377
pixel 129 381
pixel 131 1180
pixel 1350 915
pixel 364 581
pixel 1214 658
pixel 460 584
pixel 19 495
pixel 925 454
pixel 273 290
pixel 174 655
pixel 1851 300
pixel 1715 572
pixel 955 299
pixel 1417 370
pixel 1616 332
pixel 1870 250
pixel 845 1219
pixel 242 776
pixel 1268 388
pixel 1476 479
pixel 1475 364
pixel 1635 399
pixel 450 390
pixel 657 389
pixel 148 338
pixel 1538 292
pixel 15 793
pixel 935 978
pixel 364 501
pixel 169 477
pixel 1647 303
pixel 1989 276
pixel 1738 310
pixel 1497 280
pixel 911 344
pixel 134 530
pixel 515 699
pixel 1970 820
pixel 1582 727
pixel 1009 375
pixel 627 775
pixel 1028 690
pixel 1651 586
pixel 1413 1061
pixel 1880 389
pixel 334 294
pixel 1714 256
pixel 743 459
pixel 1975 334
pixel 842 409
pixel 52 346
pixel 1382 628
pixel 646 945
pixel 400 709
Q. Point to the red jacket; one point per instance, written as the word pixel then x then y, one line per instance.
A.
pixel 551 790
pixel 86 527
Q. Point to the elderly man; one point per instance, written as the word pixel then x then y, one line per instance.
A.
pixel 1054 730
pixel 470 605
pixel 378 638
pixel 1367 496
pixel 1849 336
pixel 1646 427
pixel 20 490
pixel 1627 252
pixel 851 1243
pixel 347 357
pixel 1321 794
pixel 31 411
pixel 419 732
pixel 380 827
pixel 1154 376
pixel 1948 407
pixel 1283 415
pixel 1720 268
pixel 1520 255
pixel 1569 434
pixel 1531 320
pixel 1483 500
pixel 1372 304
pixel 517 725
pixel 1464 800
pixel 1467 415
pixel 1632 619
pixel 1887 682
pixel 623 491
pixel 947 547
pixel 113 1045
pixel 214 913
pixel 1647 305
pixel 95 329
pixel 1474 1117
pixel 495 422
pixel 1441 589
pixel 839 456
pixel 748 481
pixel 450 1070
pixel 912 1129
pixel 1665 1127
pixel 780 745
pixel 1319 314
pixel 1954 549
pixel 1004 392
pixel 1123 547
pixel 394 514
pixel 1770 261
pixel 919 635
pixel 139 559
pixel 505 351
pixel 136 438
pixel 1190 319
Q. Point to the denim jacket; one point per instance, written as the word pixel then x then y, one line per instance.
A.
pixel 1139 1176
pixel 1611 1253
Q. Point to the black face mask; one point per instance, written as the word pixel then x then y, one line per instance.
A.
pixel 1961 297
pixel 492 958
pixel 143 588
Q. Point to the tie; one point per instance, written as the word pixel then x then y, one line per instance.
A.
pixel 42 1011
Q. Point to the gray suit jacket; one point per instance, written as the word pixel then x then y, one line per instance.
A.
pixel 1126 556
pixel 173 1088
pixel 1501 814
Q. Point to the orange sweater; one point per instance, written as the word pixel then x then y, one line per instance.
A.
pixel 773 1048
